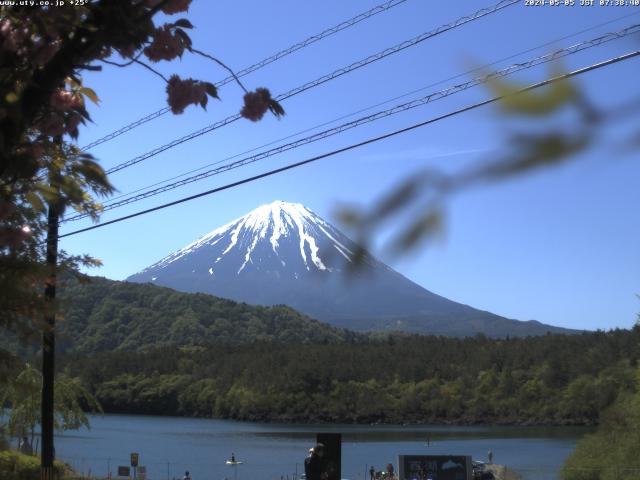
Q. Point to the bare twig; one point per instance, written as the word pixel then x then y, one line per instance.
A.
pixel 122 65
pixel 91 68
pixel 228 69
pixel 151 69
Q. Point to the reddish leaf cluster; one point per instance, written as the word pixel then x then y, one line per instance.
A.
pixel 65 115
pixel 13 36
pixel 176 6
pixel 18 38
pixel 256 104
pixel 182 93
pixel 50 47
pixel 65 100
pixel 51 124
pixel 128 51
pixel 172 6
pixel 166 45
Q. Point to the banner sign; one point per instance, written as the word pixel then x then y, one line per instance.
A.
pixel 124 471
pixel 435 467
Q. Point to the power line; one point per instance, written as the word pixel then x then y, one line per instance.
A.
pixel 126 128
pixel 321 80
pixel 579 47
pixel 474 106
pixel 383 7
pixel 362 110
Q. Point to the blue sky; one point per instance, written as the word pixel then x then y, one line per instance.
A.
pixel 559 246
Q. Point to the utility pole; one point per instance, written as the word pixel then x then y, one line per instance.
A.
pixel 49 345
pixel 48 336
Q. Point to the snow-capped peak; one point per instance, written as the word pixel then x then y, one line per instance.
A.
pixel 284 254
pixel 278 219
pixel 274 222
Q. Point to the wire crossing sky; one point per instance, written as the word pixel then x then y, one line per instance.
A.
pixel 558 245
pixel 377 116
pixel 383 7
pixel 301 163
pixel 324 79
pixel 602 39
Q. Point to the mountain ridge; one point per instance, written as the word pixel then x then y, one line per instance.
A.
pixel 107 315
pixel 283 253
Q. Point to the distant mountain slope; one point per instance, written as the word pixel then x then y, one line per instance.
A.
pixel 106 315
pixel 463 325
pixel 283 253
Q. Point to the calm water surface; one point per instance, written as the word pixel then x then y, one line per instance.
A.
pixel 169 445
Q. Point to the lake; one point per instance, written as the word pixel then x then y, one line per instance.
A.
pixel 170 445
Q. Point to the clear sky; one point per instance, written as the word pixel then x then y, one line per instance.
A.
pixel 559 246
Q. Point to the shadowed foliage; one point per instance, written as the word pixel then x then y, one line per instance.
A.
pixel 552 379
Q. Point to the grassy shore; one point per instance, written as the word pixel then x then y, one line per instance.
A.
pixel 17 466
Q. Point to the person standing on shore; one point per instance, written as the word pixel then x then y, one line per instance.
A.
pixel 25 447
pixel 490 456
pixel 391 474
pixel 314 463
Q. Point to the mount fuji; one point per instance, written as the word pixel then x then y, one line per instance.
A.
pixel 283 253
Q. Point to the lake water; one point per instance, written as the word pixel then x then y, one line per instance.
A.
pixel 169 445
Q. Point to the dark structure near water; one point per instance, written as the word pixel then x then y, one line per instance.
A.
pixel 333 454
pixel 435 467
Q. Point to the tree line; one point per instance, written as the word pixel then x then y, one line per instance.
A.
pixel 611 453
pixel 553 379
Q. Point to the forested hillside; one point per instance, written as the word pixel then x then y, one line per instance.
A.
pixel 103 315
pixel 611 453
pixel 98 315
pixel 559 379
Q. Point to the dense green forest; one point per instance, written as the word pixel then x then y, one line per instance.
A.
pixel 102 315
pixel 559 379
pixel 612 453
pixel 146 349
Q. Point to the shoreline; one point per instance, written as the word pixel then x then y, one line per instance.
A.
pixel 502 472
pixel 375 423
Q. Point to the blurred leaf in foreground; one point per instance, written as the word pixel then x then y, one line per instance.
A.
pixel 547 127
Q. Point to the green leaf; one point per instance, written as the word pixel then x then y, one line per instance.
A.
pixel 49 193
pixel 398 198
pixel 12 97
pixel 427 224
pixel 35 201
pixel 541 102
pixel 537 151
pixel 73 81
pixel 90 94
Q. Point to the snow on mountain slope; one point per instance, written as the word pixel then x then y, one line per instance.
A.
pixel 276 222
pixel 283 253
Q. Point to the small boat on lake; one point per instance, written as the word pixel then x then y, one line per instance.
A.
pixel 233 461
